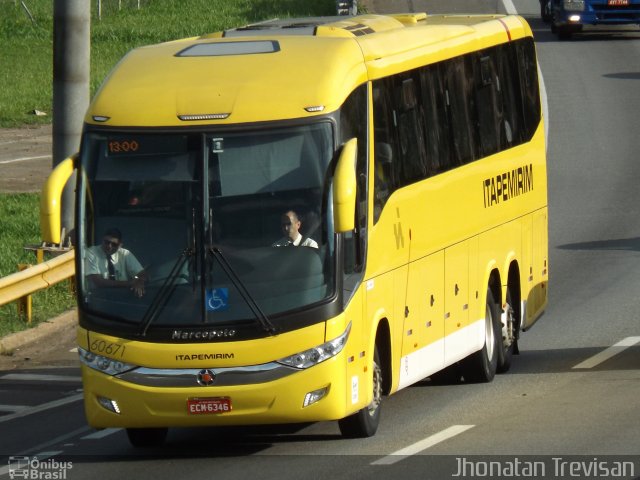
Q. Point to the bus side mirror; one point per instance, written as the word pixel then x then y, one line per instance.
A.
pixel 51 199
pixel 344 188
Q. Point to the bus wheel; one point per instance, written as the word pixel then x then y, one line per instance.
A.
pixel 509 336
pixel 364 423
pixel 482 365
pixel 147 437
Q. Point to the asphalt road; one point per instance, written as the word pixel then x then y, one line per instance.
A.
pixel 568 394
pixel 25 158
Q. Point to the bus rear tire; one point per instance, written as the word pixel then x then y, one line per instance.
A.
pixel 364 423
pixel 505 354
pixel 481 366
pixel 147 437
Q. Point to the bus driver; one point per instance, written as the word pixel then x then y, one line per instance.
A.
pixel 110 265
pixel 290 223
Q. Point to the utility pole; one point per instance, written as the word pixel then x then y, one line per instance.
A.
pixel 71 54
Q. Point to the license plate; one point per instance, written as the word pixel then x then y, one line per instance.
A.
pixel 208 406
pixel 615 3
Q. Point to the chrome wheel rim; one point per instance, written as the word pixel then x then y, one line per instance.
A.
pixel 377 389
pixel 489 333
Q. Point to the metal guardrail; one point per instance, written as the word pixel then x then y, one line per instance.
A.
pixel 19 286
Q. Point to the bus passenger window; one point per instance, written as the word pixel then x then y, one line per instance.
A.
pixel 459 99
pixel 384 122
pixel 488 104
pixel 381 183
pixel 435 118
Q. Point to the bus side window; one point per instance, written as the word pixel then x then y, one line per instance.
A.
pixel 412 165
pixel 529 85
pixel 459 100
pixel 488 104
pixel 436 127
pixel 385 147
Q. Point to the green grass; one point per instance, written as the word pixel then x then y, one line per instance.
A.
pixel 19 226
pixel 27 46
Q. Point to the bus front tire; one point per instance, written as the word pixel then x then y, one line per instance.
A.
pixel 364 423
pixel 481 366
pixel 147 437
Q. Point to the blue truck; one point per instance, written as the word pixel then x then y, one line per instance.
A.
pixel 569 16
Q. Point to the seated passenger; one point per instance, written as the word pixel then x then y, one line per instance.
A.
pixel 290 223
pixel 110 265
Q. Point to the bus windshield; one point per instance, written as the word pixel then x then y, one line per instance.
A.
pixel 203 219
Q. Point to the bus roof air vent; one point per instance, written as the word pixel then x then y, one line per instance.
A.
pixel 369 24
pixel 218 49
pixel 280 27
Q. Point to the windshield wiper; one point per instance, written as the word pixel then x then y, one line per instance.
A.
pixel 164 293
pixel 251 302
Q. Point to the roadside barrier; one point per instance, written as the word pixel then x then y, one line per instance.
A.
pixel 20 285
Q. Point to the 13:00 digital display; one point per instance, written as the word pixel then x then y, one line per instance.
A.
pixel 123 146
pixel 145 144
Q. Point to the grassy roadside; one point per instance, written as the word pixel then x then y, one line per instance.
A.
pixel 26 77
pixel 19 227
pixel 27 45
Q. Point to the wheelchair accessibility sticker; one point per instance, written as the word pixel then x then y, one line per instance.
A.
pixel 217 299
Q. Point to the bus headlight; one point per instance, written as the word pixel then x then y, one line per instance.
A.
pixel 105 365
pixel 318 354
pixel 573 5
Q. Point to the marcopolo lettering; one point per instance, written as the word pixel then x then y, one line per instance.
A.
pixel 507 185
pixel 205 356
pixel 202 334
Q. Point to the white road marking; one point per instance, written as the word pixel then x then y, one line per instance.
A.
pixel 509 7
pixel 422 445
pixel 24 159
pixel 12 408
pixel 57 440
pixel 40 377
pixel 101 434
pixel 608 353
pixel 41 408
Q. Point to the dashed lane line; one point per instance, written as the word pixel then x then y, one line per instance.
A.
pixel 12 408
pixel 36 377
pixel 42 407
pixel 422 445
pixel 606 354
pixel 24 159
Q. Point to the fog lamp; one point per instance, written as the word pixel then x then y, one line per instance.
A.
pixel 109 404
pixel 315 396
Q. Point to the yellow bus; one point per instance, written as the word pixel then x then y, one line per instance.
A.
pixel 404 157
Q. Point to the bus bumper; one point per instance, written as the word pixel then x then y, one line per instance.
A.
pixel 112 402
